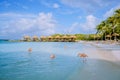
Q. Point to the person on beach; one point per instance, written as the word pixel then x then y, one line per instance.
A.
pixel 52 56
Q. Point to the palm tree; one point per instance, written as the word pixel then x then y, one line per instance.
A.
pixel 111 25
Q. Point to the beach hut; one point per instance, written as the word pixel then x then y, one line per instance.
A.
pixel 115 35
pixel 27 38
pixel 65 38
pixel 49 38
pixel 43 38
pixel 35 38
pixel 72 38
pixel 58 38
pixel 108 37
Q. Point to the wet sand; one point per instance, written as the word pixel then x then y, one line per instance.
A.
pixel 103 54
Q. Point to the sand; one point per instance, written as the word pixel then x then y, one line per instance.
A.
pixel 105 55
pixel 102 53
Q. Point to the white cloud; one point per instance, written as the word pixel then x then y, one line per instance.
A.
pixel 55 5
pixel 87 27
pixel 16 15
pixel 110 12
pixel 90 24
pixel 42 24
pixel 50 4
pixel 88 5
pixel 73 27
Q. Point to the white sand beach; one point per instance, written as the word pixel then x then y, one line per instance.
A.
pixel 102 53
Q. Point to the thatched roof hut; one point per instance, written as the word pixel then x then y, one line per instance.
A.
pixel 49 37
pixel 65 37
pixel 35 38
pixel 27 38
pixel 108 36
pixel 115 34
pixel 57 37
pixel 43 38
pixel 73 37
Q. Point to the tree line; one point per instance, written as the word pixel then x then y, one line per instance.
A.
pixel 110 28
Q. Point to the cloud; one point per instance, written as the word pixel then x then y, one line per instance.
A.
pixel 41 24
pixel 88 5
pixel 110 12
pixel 55 5
pixel 73 27
pixel 49 4
pixel 87 27
pixel 90 24
pixel 12 15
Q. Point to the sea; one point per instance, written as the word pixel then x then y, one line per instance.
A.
pixel 17 63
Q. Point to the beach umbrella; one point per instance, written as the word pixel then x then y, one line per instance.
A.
pixel 108 36
pixel 115 35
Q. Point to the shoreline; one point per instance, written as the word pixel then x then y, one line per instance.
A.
pixel 100 51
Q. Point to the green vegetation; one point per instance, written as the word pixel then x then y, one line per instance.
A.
pixel 80 36
pixel 110 28
pixel 107 29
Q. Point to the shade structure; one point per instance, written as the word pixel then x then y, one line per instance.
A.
pixel 43 38
pixel 27 38
pixel 35 38
pixel 50 38
pixel 108 36
pixel 115 34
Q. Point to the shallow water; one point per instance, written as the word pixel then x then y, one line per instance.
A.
pixel 16 63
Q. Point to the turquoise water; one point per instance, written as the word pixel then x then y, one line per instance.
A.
pixel 16 63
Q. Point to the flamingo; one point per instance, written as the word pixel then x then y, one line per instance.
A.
pixel 30 50
pixel 83 55
pixel 52 56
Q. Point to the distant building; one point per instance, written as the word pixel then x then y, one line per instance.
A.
pixel 27 38
pixel 58 38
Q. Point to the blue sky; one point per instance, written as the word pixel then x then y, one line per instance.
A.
pixel 46 17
